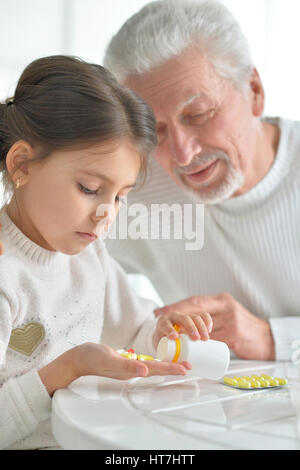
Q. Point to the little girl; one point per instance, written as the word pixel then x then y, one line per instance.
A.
pixel 72 141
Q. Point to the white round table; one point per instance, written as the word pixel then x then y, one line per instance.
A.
pixel 178 412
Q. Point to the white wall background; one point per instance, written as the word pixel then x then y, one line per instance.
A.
pixel 35 28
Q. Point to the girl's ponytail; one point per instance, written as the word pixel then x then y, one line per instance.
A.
pixel 3 131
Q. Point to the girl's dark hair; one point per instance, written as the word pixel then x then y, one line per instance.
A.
pixel 62 101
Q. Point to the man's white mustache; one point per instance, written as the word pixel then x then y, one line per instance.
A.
pixel 201 160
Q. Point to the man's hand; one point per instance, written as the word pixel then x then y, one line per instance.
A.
pixel 248 336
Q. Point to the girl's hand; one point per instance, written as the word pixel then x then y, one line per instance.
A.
pixel 196 326
pixel 1 246
pixel 101 360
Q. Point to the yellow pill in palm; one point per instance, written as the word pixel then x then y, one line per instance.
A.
pixel 127 355
pixel 145 357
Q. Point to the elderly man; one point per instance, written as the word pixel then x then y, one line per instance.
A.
pixel 190 61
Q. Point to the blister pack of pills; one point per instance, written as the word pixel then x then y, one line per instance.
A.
pixel 255 382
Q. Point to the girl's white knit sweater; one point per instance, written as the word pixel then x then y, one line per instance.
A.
pixel 76 299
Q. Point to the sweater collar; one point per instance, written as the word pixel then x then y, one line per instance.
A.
pixel 45 262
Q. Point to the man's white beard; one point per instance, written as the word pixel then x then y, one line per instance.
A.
pixel 233 180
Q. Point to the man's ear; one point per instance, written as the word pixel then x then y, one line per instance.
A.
pixel 17 160
pixel 257 94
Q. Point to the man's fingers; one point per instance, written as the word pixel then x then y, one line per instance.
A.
pixel 194 304
pixel 218 320
pixel 184 306
pixel 223 318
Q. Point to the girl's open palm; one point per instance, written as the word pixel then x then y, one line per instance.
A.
pixel 102 360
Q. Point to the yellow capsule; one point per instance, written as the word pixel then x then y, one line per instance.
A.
pixel 145 357
pixel 244 384
pixel 274 383
pixel 241 380
pixel 264 383
pixel 281 380
pixel 127 354
pixel 230 381
pixel 245 377
pixel 255 383
pixel 255 377
pixel 266 377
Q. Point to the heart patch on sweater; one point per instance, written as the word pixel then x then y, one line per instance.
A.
pixel 25 340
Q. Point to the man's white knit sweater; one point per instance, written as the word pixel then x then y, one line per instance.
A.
pixel 251 245
pixel 72 300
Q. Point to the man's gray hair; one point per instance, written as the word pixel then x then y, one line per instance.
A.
pixel 163 29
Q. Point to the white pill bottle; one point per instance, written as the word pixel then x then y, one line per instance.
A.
pixel 209 359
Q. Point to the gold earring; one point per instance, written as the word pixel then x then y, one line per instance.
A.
pixel 18 183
